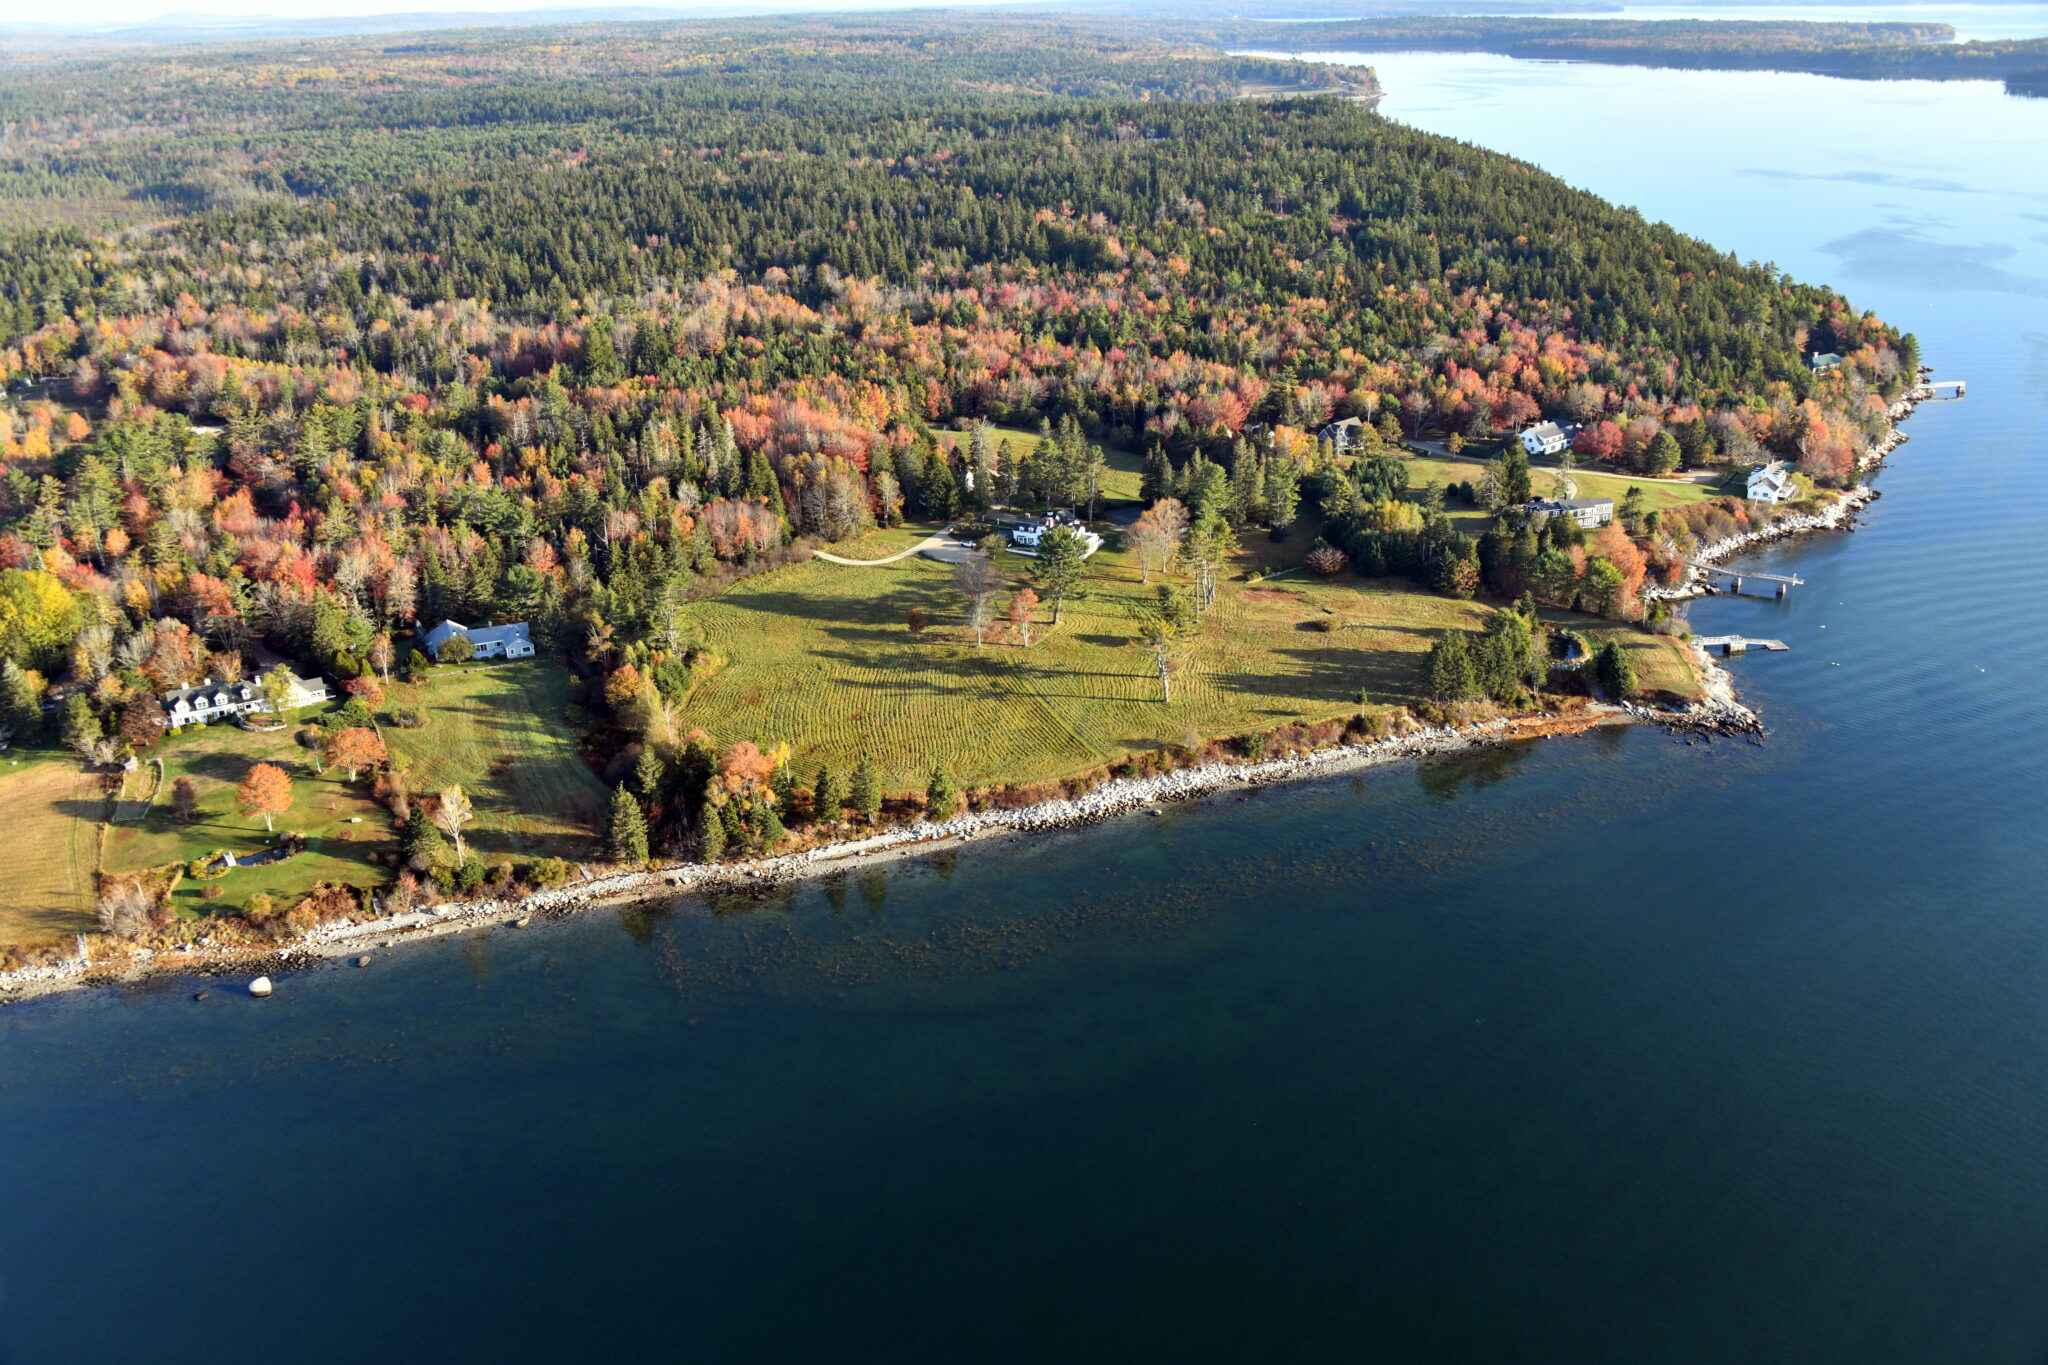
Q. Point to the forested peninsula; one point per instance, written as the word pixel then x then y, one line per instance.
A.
pixel 1860 51
pixel 445 466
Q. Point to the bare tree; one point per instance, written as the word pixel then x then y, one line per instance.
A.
pixel 1156 536
pixel 454 812
pixel 124 909
pixel 979 582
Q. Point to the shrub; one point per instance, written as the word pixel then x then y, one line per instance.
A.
pixel 409 717
pixel 545 872
pixel 125 909
pixel 1324 561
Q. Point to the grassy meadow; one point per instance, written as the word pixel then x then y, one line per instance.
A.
pixel 53 807
pixel 498 732
pixel 819 656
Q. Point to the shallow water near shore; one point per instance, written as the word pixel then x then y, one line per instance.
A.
pixel 1607 1048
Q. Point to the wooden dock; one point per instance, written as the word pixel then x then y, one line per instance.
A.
pixel 1738 644
pixel 1785 581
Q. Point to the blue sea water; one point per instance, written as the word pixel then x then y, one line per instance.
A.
pixel 1603 1049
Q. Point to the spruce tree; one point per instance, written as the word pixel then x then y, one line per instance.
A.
pixel 941 797
pixel 866 794
pixel 1615 672
pixel 626 836
pixel 421 843
pixel 711 836
pixel 1452 676
pixel 648 776
pixel 826 797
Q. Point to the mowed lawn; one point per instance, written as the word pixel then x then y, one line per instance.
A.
pixel 1422 468
pixel 819 656
pixel 498 732
pixel 340 821
pixel 52 806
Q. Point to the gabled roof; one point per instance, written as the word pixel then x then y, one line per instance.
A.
pixel 500 635
pixel 444 631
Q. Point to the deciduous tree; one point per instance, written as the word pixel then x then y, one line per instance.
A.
pixel 266 791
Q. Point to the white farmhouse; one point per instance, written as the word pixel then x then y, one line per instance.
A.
pixel 1548 438
pixel 211 700
pixel 512 641
pixel 1772 483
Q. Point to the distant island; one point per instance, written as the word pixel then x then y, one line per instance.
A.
pixel 1861 51
pixel 440 471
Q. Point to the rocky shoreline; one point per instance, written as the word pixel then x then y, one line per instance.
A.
pixel 357 939
pixel 1720 712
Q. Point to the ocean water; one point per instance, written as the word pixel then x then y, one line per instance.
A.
pixel 1603 1049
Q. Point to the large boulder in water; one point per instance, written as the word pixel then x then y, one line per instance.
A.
pixel 260 987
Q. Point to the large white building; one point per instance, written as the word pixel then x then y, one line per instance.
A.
pixel 1548 438
pixel 211 700
pixel 1772 483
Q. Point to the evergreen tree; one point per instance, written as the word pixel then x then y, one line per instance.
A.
pixel 826 797
pixel 421 843
pixel 1058 568
pixel 1156 480
pixel 21 710
pixel 1452 676
pixel 649 775
pixel 866 793
pixel 711 835
pixel 1616 673
pixel 941 797
pixel 626 834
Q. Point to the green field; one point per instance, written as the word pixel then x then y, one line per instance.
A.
pixel 498 731
pixel 340 822
pixel 1423 467
pixel 820 657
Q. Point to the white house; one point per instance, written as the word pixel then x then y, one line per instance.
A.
pixel 512 641
pixel 211 700
pixel 1548 438
pixel 1772 483
pixel 1826 360
pixel 1587 512
pixel 1026 533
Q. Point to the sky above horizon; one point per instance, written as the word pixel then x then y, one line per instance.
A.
pixel 140 11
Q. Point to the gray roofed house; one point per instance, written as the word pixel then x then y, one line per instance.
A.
pixel 511 641
pixel 1587 512
pixel 214 700
pixel 1341 434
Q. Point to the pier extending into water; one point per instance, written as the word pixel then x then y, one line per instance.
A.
pixel 1785 581
pixel 1738 644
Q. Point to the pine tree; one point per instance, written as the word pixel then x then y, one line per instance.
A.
pixel 941 797
pixel 626 836
pixel 712 835
pixel 1616 673
pixel 1452 676
pixel 649 774
pixel 866 794
pixel 826 797
pixel 421 843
